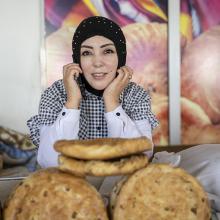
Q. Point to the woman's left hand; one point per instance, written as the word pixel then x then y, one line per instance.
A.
pixel 114 89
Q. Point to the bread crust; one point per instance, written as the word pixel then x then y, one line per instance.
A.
pixel 102 148
pixel 114 194
pixel 52 194
pixel 158 192
pixel 122 166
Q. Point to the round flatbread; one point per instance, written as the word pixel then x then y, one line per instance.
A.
pixel 160 192
pixel 114 193
pixel 102 148
pixel 52 194
pixel 121 166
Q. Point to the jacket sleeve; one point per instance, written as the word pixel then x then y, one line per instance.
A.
pixel 66 127
pixel 51 104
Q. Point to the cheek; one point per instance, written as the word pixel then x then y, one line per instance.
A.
pixel 113 72
pixel 85 65
pixel 113 63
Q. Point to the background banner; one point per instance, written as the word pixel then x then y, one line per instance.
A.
pixel 200 71
pixel 144 24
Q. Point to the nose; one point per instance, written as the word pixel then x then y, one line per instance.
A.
pixel 97 61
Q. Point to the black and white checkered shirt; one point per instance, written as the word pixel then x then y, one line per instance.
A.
pixel 135 101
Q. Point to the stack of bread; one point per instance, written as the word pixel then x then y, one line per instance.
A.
pixel 148 191
pixel 103 156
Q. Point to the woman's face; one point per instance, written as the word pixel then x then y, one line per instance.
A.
pixel 99 61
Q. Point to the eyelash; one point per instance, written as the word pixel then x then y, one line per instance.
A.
pixel 107 51
pixel 86 53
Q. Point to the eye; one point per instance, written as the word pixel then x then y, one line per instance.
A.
pixel 86 53
pixel 109 51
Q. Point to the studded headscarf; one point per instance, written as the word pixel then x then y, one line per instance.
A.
pixel 97 25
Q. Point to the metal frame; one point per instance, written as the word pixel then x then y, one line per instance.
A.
pixel 174 72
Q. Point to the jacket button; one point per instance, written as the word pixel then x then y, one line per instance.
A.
pixel 118 114
pixel 63 113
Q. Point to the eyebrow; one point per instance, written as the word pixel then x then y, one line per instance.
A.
pixel 104 45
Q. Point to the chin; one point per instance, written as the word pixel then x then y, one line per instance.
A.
pixel 99 85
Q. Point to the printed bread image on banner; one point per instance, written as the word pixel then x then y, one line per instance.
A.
pixel 200 70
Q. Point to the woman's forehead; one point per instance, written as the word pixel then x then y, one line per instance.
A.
pixel 97 40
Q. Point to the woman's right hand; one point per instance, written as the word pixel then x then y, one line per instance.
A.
pixel 71 71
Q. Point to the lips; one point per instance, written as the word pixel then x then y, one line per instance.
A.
pixel 100 75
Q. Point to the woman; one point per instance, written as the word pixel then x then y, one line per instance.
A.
pixel 95 98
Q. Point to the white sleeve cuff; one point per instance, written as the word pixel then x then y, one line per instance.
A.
pixel 119 111
pixel 116 122
pixel 66 127
pixel 120 125
pixel 68 114
pixel 67 123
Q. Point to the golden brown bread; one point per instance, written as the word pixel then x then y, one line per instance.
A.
pixel 53 195
pixel 114 193
pixel 102 148
pixel 121 166
pixel 160 192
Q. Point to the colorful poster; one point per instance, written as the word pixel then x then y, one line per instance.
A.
pixel 144 23
pixel 200 71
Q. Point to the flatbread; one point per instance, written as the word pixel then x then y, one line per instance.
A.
pixel 102 148
pixel 114 194
pixel 53 195
pixel 160 192
pixel 121 166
